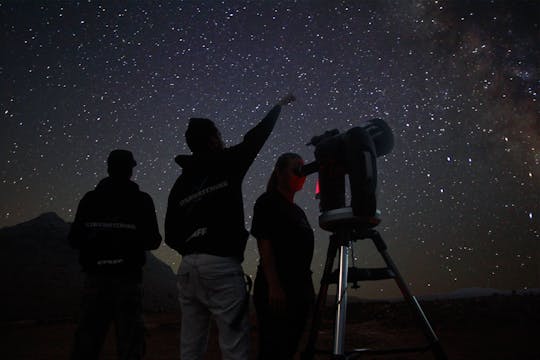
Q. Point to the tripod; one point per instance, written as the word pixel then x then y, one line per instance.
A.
pixel 345 228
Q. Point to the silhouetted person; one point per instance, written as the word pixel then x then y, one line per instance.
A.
pixel 284 291
pixel 115 224
pixel 205 223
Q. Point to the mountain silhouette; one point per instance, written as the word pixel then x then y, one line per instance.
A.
pixel 42 279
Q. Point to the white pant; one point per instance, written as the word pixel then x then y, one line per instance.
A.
pixel 213 286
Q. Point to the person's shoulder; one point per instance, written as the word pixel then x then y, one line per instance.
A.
pixel 90 200
pixel 267 198
pixel 92 194
pixel 144 197
pixel 231 153
pixel 264 196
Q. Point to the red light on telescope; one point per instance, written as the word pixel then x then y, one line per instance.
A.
pixel 317 189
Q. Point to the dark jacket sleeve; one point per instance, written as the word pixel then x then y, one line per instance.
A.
pixel 255 139
pixel 77 233
pixel 150 230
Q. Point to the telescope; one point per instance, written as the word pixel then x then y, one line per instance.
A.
pixel 352 153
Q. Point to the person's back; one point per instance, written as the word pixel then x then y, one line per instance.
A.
pixel 208 198
pixel 114 228
pixel 115 224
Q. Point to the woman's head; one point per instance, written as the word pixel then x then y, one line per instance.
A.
pixel 286 175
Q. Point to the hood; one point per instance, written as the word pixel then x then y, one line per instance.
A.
pixel 121 185
pixel 185 161
pixel 199 161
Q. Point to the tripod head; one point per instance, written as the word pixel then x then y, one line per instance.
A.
pixel 353 153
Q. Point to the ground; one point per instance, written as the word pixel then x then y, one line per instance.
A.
pixel 495 327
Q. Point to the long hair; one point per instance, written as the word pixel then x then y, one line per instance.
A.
pixel 281 163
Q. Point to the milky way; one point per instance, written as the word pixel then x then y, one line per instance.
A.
pixel 456 81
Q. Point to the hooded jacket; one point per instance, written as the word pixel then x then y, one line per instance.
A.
pixel 205 211
pixel 114 225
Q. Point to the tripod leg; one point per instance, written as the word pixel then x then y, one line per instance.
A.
pixel 341 300
pixel 309 352
pixel 411 300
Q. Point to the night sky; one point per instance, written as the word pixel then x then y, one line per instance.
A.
pixel 457 81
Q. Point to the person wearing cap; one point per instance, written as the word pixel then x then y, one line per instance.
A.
pixel 114 226
pixel 205 224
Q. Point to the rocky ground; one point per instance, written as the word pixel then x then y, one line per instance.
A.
pixel 491 327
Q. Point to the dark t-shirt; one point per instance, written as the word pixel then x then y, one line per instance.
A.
pixel 285 225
